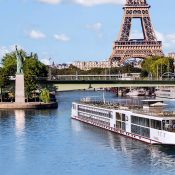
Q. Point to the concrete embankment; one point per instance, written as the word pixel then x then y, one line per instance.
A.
pixel 32 105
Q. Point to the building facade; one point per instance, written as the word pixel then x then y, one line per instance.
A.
pixel 171 55
pixel 95 64
pixel 61 66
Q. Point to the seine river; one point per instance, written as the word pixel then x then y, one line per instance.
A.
pixel 50 143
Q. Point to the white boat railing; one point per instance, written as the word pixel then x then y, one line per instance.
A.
pixel 115 104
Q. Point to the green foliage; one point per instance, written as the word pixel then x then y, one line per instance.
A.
pixel 144 73
pixel 72 70
pixel 33 69
pixel 158 65
pixel 9 64
pixel 129 69
pixel 45 96
pixel 96 71
pixel 4 79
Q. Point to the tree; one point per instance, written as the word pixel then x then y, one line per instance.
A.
pixel 45 96
pixel 4 80
pixel 9 64
pixel 72 70
pixel 33 69
pixel 157 66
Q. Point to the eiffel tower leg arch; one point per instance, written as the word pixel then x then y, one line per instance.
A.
pixel 124 46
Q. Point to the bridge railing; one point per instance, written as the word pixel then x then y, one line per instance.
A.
pixel 124 77
pixel 96 77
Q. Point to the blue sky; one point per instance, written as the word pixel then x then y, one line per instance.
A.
pixel 70 30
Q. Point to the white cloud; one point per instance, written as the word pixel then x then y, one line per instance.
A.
pixel 96 27
pixel 139 35
pixel 160 36
pixel 98 2
pixel 36 34
pixel 61 37
pixel 171 37
pixel 50 1
pixel 7 49
pixel 3 50
pixel 87 3
pixel 167 39
pixel 45 61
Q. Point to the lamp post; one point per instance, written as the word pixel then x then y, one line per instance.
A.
pixel 76 76
pixel 150 76
pixel 157 72
pixel 1 97
pixel 50 69
pixel 174 65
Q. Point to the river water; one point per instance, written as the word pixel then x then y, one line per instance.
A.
pixel 48 142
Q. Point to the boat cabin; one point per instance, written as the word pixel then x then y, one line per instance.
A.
pixel 152 103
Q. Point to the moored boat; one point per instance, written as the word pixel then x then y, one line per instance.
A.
pixel 148 123
pixel 168 92
pixel 136 92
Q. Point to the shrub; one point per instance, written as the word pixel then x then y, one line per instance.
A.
pixel 45 96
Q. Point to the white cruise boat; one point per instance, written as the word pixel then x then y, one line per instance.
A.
pixel 168 92
pixel 136 92
pixel 148 123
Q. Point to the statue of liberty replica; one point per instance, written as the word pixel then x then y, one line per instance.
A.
pixel 19 82
pixel 20 61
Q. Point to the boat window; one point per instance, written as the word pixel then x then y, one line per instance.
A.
pixel 123 126
pixel 123 117
pixel 140 121
pixel 100 120
pixel 156 124
pixel 173 124
pixel 74 106
pixel 95 111
pixel 118 116
pixel 145 132
pixel 168 125
pixel 118 125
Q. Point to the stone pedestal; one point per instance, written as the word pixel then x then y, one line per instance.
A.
pixel 19 89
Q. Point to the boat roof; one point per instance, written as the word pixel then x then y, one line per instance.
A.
pixel 152 100
pixel 153 112
pixel 158 104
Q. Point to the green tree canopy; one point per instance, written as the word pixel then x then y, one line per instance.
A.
pixel 33 69
pixel 45 96
pixel 72 70
pixel 158 65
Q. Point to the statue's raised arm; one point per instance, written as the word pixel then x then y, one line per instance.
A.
pixel 16 47
pixel 20 61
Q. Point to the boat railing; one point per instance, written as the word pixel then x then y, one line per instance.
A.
pixel 101 103
pixel 153 111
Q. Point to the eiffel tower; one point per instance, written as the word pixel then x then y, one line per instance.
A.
pixel 125 47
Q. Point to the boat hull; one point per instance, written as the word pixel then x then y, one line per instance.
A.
pixel 118 131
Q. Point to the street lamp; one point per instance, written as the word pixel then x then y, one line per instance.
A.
pixel 150 76
pixel 50 69
pixel 174 65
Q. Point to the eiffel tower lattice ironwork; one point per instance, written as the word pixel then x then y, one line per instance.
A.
pixel 125 47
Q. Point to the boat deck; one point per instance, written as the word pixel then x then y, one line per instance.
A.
pixel 152 111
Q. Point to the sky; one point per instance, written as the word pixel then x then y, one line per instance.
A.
pixel 72 30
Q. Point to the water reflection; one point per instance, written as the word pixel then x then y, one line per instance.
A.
pixel 140 157
pixel 20 122
pixel 49 142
